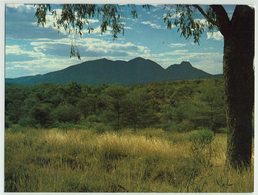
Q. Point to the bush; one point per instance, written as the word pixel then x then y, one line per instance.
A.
pixel 201 146
pixel 100 127
pixel 28 121
pixel 183 126
pixel 202 137
pixel 65 126
pixel 67 113
pixel 17 128
pixel 92 118
pixel 41 114
pixel 7 122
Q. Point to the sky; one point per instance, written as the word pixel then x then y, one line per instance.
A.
pixel 32 49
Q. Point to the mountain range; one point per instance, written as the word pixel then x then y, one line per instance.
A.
pixel 137 70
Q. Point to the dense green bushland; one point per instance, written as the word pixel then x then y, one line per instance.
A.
pixel 181 106
pixel 148 160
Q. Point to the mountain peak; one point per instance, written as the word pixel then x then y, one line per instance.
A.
pixel 182 65
pixel 103 59
pixel 186 63
pixel 138 59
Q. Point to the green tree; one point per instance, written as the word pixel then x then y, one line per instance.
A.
pixel 213 106
pixel 87 105
pixel 15 108
pixel 182 108
pixel 115 97
pixel 72 93
pixel 238 57
pixel 138 109
pixel 41 114
pixel 66 113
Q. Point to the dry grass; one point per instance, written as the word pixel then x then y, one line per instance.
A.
pixel 138 145
pixel 149 160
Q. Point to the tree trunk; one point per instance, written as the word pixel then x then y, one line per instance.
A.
pixel 239 85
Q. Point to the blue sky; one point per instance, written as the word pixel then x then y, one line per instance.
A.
pixel 34 50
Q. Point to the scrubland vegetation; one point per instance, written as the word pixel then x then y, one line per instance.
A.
pixel 167 137
pixel 181 106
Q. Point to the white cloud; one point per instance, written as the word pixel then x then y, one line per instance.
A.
pixel 18 50
pixel 173 45
pixel 34 61
pixel 215 35
pixel 106 47
pixel 128 28
pixel 92 21
pixel 180 51
pixel 21 7
pixel 37 66
pixel 203 22
pixel 152 25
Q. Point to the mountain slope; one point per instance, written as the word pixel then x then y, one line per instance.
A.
pixel 137 70
pixel 185 71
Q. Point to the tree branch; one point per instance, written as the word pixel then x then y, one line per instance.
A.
pixel 221 18
pixel 205 15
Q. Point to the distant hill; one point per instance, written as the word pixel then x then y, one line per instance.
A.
pixel 137 70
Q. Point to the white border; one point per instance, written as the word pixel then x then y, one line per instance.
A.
pixel 2 84
pixel 2 69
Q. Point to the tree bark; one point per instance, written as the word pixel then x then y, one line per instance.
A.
pixel 239 85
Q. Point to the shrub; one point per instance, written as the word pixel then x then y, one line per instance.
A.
pixel 65 126
pixel 28 121
pixel 202 137
pixel 7 122
pixel 100 127
pixel 93 118
pixel 67 113
pixel 183 126
pixel 41 114
pixel 201 146
pixel 17 128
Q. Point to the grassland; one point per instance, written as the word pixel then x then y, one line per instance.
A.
pixel 149 160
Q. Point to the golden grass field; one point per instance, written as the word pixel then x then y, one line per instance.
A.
pixel 149 160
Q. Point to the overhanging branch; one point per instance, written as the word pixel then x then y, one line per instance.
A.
pixel 209 19
pixel 221 18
